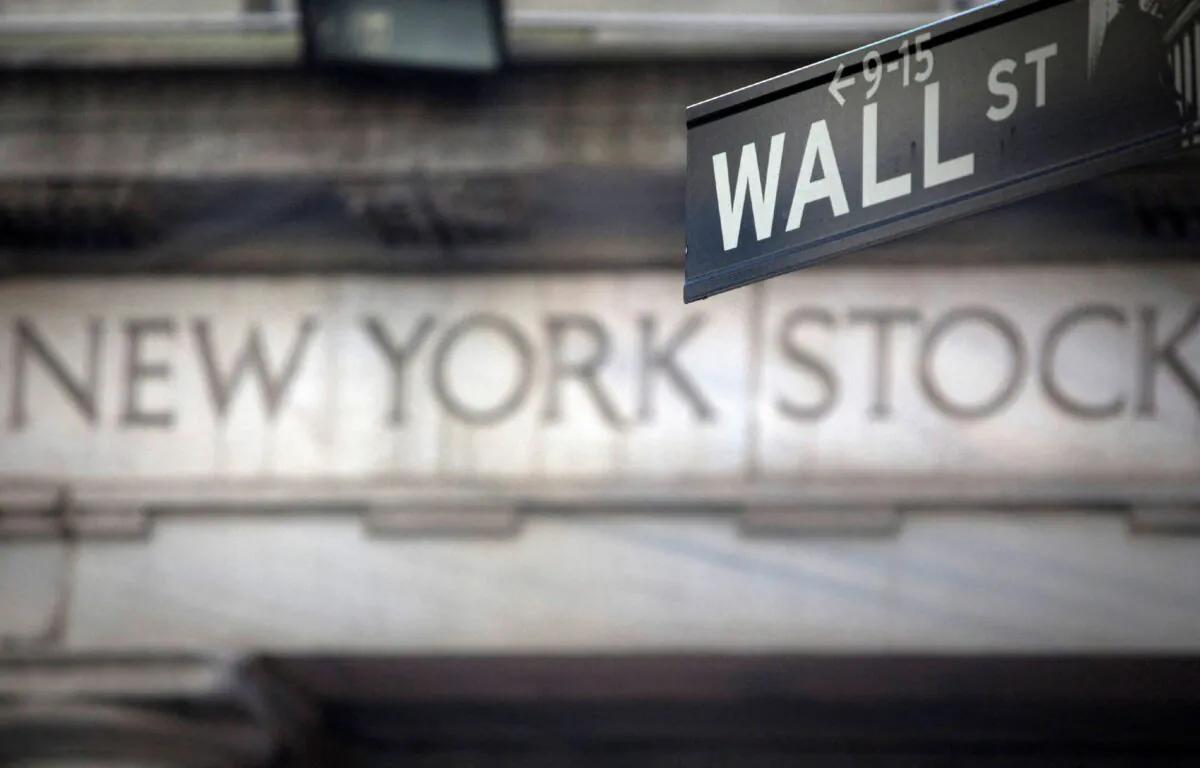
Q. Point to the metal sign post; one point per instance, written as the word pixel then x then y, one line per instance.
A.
pixel 1011 99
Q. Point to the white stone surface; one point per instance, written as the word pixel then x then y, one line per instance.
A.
pixel 117 8
pixel 33 580
pixel 1054 582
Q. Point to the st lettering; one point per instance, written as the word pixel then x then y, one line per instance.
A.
pixel 1005 75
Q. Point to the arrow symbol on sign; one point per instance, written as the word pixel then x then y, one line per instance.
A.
pixel 838 84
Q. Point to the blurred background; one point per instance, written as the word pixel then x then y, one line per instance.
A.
pixel 351 415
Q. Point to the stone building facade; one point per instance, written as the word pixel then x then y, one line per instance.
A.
pixel 333 413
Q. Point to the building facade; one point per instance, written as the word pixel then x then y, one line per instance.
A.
pixel 328 406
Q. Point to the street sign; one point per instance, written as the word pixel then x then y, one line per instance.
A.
pixel 1010 99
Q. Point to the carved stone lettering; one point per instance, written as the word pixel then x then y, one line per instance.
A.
pixel 844 373
pixel 586 371
pixel 140 369
pixel 507 403
pixel 1015 356
pixel 883 321
pixel 1157 355
pixel 398 357
pixel 820 369
pixel 1048 371
pixel 30 348
pixel 662 360
pixel 250 361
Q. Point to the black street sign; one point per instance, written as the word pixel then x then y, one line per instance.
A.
pixel 1010 99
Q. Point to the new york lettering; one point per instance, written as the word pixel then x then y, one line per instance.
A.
pixel 567 351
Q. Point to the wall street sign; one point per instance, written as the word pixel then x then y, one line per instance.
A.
pixel 1008 100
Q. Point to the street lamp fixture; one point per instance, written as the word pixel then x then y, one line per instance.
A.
pixel 452 36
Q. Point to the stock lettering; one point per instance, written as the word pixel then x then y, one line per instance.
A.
pixel 1156 355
